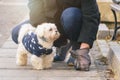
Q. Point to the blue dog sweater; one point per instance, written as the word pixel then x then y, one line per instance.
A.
pixel 30 43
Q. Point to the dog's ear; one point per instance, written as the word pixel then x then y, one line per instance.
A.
pixel 39 31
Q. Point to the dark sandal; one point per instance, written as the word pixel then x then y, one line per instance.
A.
pixel 82 59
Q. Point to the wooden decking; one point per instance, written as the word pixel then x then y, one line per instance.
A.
pixel 60 71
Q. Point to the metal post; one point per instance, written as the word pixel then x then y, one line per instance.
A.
pixel 115 30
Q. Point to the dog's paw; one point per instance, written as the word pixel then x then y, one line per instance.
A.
pixel 48 60
pixel 21 60
pixel 36 62
pixel 21 63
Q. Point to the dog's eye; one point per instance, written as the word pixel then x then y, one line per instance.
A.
pixel 50 29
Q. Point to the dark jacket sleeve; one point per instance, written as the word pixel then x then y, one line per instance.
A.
pixel 91 20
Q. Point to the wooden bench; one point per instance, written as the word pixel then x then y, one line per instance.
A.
pixel 115 8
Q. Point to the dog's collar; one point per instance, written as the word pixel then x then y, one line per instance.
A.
pixel 30 42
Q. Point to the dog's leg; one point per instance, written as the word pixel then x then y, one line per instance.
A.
pixel 48 60
pixel 37 62
pixel 21 57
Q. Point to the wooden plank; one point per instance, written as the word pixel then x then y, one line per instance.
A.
pixel 18 78
pixel 60 71
pixel 9 45
pixel 7 52
pixel 12 65
pixel 50 78
pixel 47 73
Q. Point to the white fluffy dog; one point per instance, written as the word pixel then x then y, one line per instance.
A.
pixel 38 42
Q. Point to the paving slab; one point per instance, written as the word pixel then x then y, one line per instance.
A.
pixel 112 48
pixel 103 31
pixel 104 48
pixel 101 68
pixel 114 60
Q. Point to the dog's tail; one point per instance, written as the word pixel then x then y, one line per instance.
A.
pixel 24 29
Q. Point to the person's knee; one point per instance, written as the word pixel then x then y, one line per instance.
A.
pixel 71 19
pixel 15 32
pixel 71 13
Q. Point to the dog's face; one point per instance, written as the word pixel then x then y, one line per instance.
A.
pixel 48 31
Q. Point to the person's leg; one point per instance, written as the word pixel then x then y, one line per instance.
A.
pixel 15 31
pixel 61 52
pixel 72 22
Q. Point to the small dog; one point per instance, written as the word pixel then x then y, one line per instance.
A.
pixel 39 42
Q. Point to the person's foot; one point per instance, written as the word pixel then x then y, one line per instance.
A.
pixel 62 52
pixel 58 58
pixel 82 59
pixel 70 61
